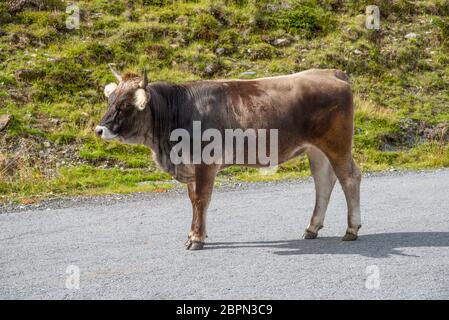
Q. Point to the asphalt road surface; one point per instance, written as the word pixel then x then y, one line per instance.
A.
pixel 133 248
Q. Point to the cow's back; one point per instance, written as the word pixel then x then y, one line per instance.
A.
pixel 292 101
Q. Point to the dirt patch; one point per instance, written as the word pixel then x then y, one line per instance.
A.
pixel 20 155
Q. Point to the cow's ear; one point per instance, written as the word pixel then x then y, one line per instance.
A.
pixel 109 88
pixel 140 98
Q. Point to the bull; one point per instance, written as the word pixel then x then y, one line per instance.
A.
pixel 312 111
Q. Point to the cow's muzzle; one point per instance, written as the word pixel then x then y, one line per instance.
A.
pixel 105 133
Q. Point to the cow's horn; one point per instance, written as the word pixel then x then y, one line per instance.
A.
pixel 115 72
pixel 144 82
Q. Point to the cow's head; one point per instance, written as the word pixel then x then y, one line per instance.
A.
pixel 127 101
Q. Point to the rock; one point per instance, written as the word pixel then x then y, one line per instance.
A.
pixel 248 73
pixel 411 35
pixel 281 42
pixel 53 60
pixel 209 69
pixel 358 52
pixel 4 120
pixel 55 121
pixel 27 201
pixel 220 51
pixel 182 20
pixel 392 18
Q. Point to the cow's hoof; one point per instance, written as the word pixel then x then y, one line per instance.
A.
pixel 310 235
pixel 194 245
pixel 349 237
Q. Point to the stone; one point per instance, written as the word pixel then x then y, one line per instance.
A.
pixel 411 35
pixel 281 42
pixel 4 120
pixel 248 73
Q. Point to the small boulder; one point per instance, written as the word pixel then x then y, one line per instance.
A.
pixel 411 35
pixel 281 42
pixel 248 73
pixel 220 51
pixel 4 120
pixel 209 69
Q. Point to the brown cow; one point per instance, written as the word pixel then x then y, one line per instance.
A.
pixel 312 110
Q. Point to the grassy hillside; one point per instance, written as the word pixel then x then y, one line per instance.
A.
pixel 51 80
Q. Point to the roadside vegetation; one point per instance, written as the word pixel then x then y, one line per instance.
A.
pixel 52 79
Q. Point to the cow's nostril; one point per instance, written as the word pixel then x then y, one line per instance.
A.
pixel 99 131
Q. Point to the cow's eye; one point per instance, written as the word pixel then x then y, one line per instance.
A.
pixel 118 108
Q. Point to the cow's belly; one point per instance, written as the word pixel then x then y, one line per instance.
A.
pixel 184 173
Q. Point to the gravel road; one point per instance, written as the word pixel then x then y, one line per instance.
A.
pixel 132 247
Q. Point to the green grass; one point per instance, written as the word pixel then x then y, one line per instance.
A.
pixel 85 180
pixel 52 78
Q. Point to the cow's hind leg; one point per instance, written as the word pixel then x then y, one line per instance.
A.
pixel 324 178
pixel 349 177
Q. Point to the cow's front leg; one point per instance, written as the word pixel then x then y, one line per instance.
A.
pixel 191 192
pixel 200 193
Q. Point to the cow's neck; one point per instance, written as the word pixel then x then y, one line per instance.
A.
pixel 169 107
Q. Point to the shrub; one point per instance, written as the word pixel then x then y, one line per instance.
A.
pixel 158 3
pixel 240 3
pixel 205 27
pixel 43 19
pixel 299 18
pixel 219 12
pixel 261 51
pixel 229 40
pixel 168 15
pixel 5 14
pixel 116 7
pixel 20 5
pixel 159 52
pixel 443 26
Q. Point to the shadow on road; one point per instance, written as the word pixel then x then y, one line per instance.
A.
pixel 378 245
